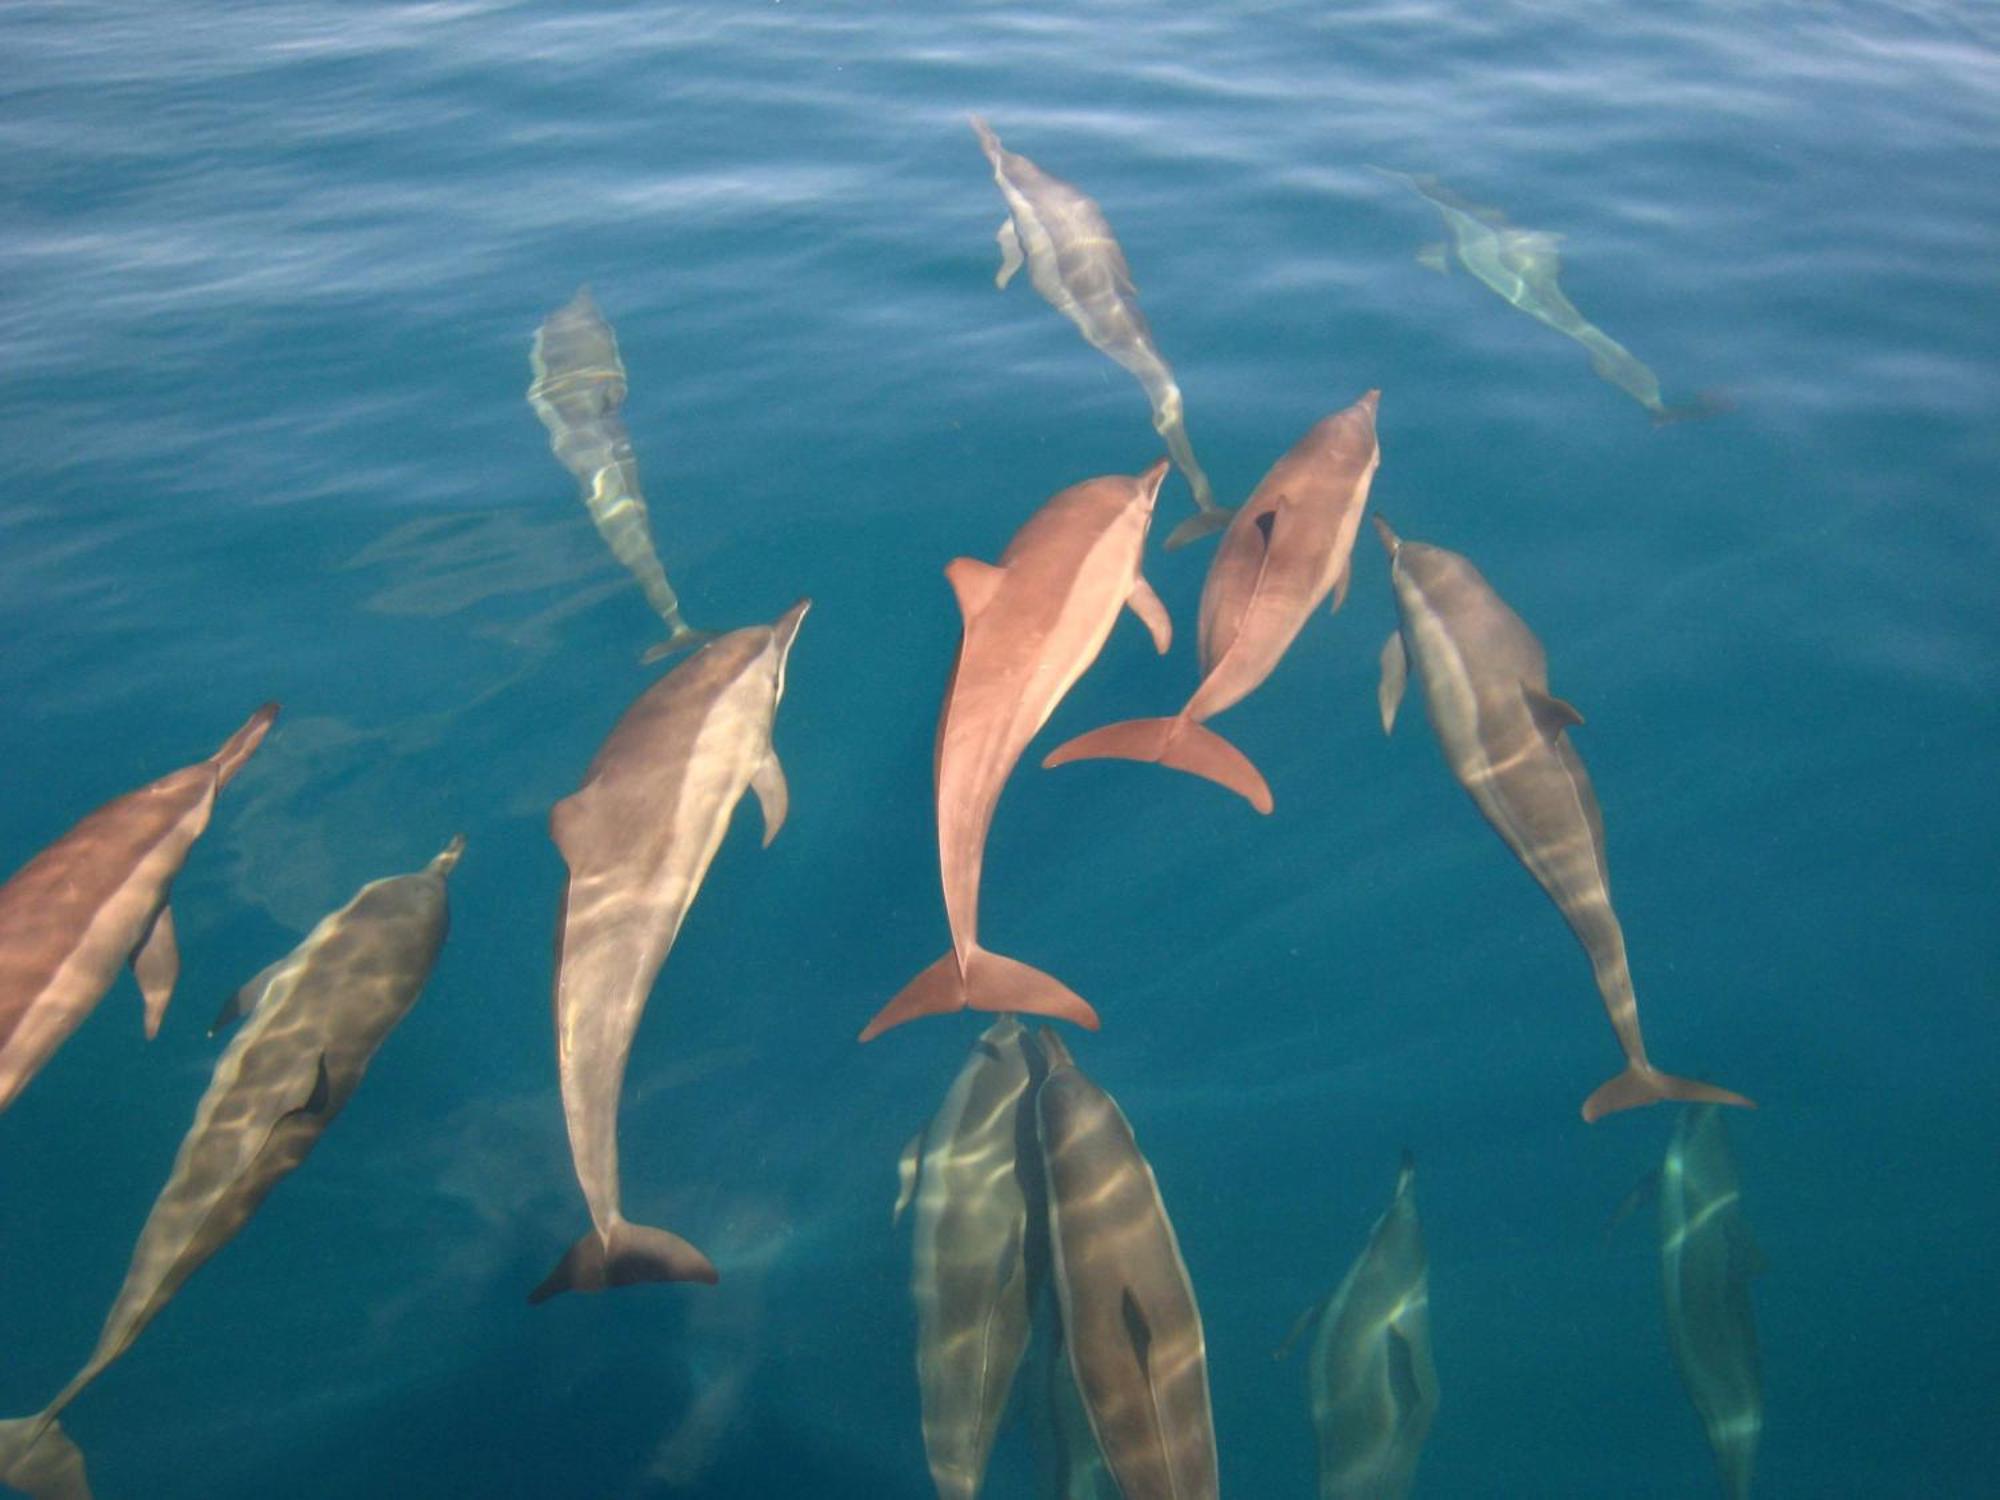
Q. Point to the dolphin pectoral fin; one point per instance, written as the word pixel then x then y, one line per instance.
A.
pixel 1147 606
pixel 1010 252
pixel 156 964
pixel 1644 1190
pixel 1432 258
pixel 1299 1326
pixel 1395 677
pixel 1340 587
pixel 973 583
pixel 906 1176
pixel 1405 1390
pixel 245 1001
pixel 1641 1084
pixel 773 796
pixel 38 1459
pixel 1552 715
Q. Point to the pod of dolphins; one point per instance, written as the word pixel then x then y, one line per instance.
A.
pixel 1035 1217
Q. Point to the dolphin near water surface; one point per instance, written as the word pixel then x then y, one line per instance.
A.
pixel 638 837
pixel 97 899
pixel 1075 262
pixel 1289 546
pixel 315 1020
pixel 1034 622
pixel 1485 680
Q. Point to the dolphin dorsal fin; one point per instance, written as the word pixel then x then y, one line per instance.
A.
pixel 1552 715
pixel 974 582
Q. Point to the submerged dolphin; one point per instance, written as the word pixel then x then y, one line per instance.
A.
pixel 1374 1389
pixel 638 837
pixel 1075 262
pixel 316 1018
pixel 1074 1469
pixel 95 900
pixel 1707 1260
pixel 1033 623
pixel 1286 550
pixel 1486 684
pixel 1128 1310
pixel 578 392
pixel 978 1253
pixel 1522 266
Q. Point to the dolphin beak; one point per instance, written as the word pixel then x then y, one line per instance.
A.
pixel 1369 402
pixel 786 626
pixel 1151 480
pixel 1390 541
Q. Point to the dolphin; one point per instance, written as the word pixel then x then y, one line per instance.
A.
pixel 95 900
pixel 1486 683
pixel 316 1018
pixel 1074 1469
pixel 578 392
pixel 979 1252
pixel 1522 266
pixel 1707 1260
pixel 1033 623
pixel 638 837
pixel 1374 1389
pixel 1285 551
pixel 1075 262
pixel 1128 1310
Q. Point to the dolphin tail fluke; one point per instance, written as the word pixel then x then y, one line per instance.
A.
pixel 1180 743
pixel 625 1256
pixel 988 981
pixel 241 745
pixel 38 1459
pixel 1204 522
pixel 1640 1085
pixel 684 638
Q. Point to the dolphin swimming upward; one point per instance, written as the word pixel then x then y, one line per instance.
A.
pixel 1522 266
pixel 1288 548
pixel 1075 262
pixel 317 1017
pixel 578 391
pixel 1033 623
pixel 638 837
pixel 95 900
pixel 1486 683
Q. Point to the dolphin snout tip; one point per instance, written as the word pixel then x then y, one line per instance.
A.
pixel 1370 401
pixel 1390 541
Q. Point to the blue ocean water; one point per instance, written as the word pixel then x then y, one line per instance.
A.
pixel 268 276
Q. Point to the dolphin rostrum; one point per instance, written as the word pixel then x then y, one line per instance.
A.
pixel 979 1252
pixel 1486 684
pixel 316 1018
pixel 578 392
pixel 638 837
pixel 1128 1310
pixel 1075 262
pixel 95 900
pixel 1286 550
pixel 1707 1261
pixel 1374 1389
pixel 1033 623
pixel 1522 266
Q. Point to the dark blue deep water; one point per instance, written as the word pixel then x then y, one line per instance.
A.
pixel 268 276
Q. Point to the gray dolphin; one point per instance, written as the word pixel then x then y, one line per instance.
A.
pixel 578 392
pixel 1486 684
pixel 1074 1468
pixel 1522 266
pixel 1707 1261
pixel 1374 1389
pixel 95 900
pixel 638 837
pixel 1128 1309
pixel 979 1252
pixel 1075 262
pixel 316 1018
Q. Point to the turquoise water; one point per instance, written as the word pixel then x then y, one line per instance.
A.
pixel 267 283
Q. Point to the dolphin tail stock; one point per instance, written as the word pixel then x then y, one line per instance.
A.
pixel 38 1459
pixel 241 745
pixel 988 981
pixel 624 1255
pixel 1180 743
pixel 1204 522
pixel 681 638
pixel 1641 1084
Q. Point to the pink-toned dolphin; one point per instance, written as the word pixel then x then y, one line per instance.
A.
pixel 95 900
pixel 1033 623
pixel 1286 550
pixel 1486 683
pixel 638 838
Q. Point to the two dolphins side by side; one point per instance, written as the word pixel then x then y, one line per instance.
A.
pixel 315 1020
pixel 97 899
